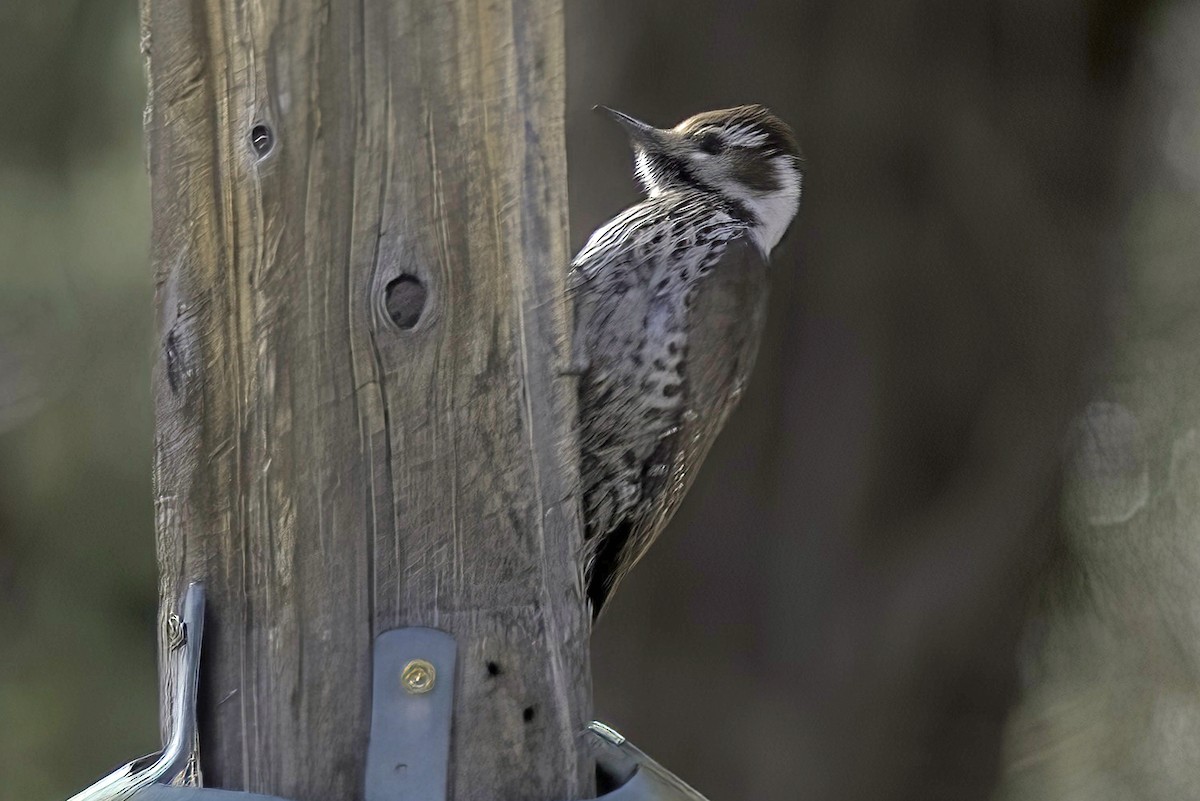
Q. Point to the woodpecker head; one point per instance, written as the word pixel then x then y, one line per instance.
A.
pixel 746 155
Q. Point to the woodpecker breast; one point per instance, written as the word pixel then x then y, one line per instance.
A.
pixel 669 300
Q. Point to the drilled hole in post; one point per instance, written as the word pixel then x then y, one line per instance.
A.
pixel 404 299
pixel 171 351
pixel 262 139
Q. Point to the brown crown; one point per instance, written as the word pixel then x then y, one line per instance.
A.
pixel 780 138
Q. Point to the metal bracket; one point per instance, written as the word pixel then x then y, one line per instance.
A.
pixel 408 756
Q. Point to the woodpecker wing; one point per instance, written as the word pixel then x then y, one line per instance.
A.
pixel 728 313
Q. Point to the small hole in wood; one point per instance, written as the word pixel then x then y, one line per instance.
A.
pixel 171 353
pixel 493 669
pixel 262 139
pixel 528 714
pixel 404 299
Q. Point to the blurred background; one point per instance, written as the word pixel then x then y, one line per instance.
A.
pixel 888 582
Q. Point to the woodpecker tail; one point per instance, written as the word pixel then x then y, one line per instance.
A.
pixel 608 566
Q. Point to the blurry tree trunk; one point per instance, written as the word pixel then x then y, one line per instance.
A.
pixel 359 240
pixel 1115 708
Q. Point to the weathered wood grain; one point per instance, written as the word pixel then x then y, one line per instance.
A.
pixel 329 474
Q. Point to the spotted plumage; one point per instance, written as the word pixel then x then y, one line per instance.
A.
pixel 669 302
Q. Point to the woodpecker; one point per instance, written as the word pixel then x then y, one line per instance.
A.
pixel 669 299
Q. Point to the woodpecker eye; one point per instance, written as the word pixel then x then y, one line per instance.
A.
pixel 710 142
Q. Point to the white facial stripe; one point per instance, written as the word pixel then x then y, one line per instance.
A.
pixel 744 136
pixel 775 210
pixel 646 175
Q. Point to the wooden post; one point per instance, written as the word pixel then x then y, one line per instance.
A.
pixel 359 242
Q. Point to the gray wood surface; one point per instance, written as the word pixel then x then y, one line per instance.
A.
pixel 328 474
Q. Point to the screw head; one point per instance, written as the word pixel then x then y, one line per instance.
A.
pixel 418 677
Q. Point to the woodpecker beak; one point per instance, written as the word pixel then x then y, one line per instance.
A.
pixel 641 134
